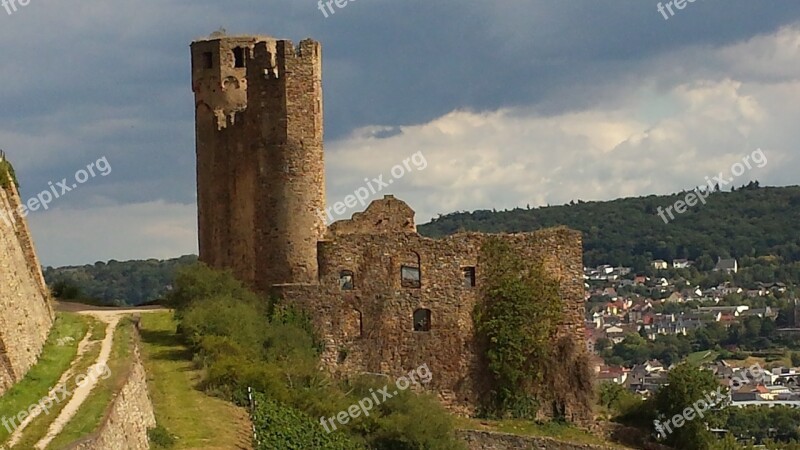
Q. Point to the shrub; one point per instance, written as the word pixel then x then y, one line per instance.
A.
pixel 243 324
pixel 245 343
pixel 160 437
pixel 7 175
pixel 279 427
pixel 406 421
pixel 617 398
pixel 199 282
pixel 515 320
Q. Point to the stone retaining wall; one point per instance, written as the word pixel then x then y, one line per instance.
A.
pixel 26 315
pixel 486 440
pixel 130 416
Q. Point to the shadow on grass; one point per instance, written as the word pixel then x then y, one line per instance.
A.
pixel 163 338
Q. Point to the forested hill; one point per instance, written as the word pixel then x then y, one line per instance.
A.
pixel 115 282
pixel 750 221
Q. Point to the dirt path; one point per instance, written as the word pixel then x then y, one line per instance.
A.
pixel 81 393
pixel 83 346
pixel 111 317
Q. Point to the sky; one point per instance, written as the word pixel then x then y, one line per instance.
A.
pixel 502 104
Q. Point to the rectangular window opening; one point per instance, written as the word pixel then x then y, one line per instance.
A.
pixel 208 60
pixel 238 57
pixel 469 277
pixel 410 277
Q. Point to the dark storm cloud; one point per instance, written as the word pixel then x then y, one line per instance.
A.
pixel 82 80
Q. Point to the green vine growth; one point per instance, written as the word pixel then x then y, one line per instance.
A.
pixel 7 175
pixel 516 321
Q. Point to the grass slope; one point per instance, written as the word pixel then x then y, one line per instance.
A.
pixel 197 420
pixel 59 352
pixel 94 408
pixel 37 429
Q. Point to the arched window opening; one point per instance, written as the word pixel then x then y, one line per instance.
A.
pixel 422 320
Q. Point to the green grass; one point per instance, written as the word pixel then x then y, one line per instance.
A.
pixel 554 430
pixel 93 410
pixel 37 429
pixel 701 357
pixel 197 420
pixel 55 360
pixel 98 333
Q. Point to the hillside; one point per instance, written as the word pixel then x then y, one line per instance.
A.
pixel 115 282
pixel 751 221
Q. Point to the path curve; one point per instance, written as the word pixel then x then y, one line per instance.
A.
pixel 81 393
pixel 83 346
pixel 111 316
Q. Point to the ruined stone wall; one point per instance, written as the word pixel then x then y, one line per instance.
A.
pixel 371 327
pixel 261 196
pixel 26 315
pixel 131 414
pixel 260 170
pixel 484 440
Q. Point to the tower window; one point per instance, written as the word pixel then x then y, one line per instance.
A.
pixel 238 57
pixel 422 320
pixel 208 60
pixel 346 282
pixel 469 277
pixel 410 273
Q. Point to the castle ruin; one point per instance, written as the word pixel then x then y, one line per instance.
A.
pixel 382 297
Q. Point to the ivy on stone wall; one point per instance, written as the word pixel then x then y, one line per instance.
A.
pixel 7 175
pixel 515 321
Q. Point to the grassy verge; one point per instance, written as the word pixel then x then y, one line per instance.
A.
pixel 37 429
pixel 195 419
pixel 59 352
pixel 93 410
pixel 554 430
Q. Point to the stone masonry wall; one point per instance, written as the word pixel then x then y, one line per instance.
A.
pixel 261 197
pixel 484 440
pixel 26 315
pixel 260 169
pixel 130 416
pixel 371 328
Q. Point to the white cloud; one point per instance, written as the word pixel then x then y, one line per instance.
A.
pixel 101 79
pixel 663 134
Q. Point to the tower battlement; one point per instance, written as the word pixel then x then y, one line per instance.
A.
pixel 225 68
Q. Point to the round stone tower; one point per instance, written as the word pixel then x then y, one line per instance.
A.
pixel 260 163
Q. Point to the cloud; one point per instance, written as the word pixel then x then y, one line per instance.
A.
pixel 662 134
pixel 514 102
pixel 130 231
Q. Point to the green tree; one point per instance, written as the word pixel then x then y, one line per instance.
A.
pixel 687 385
